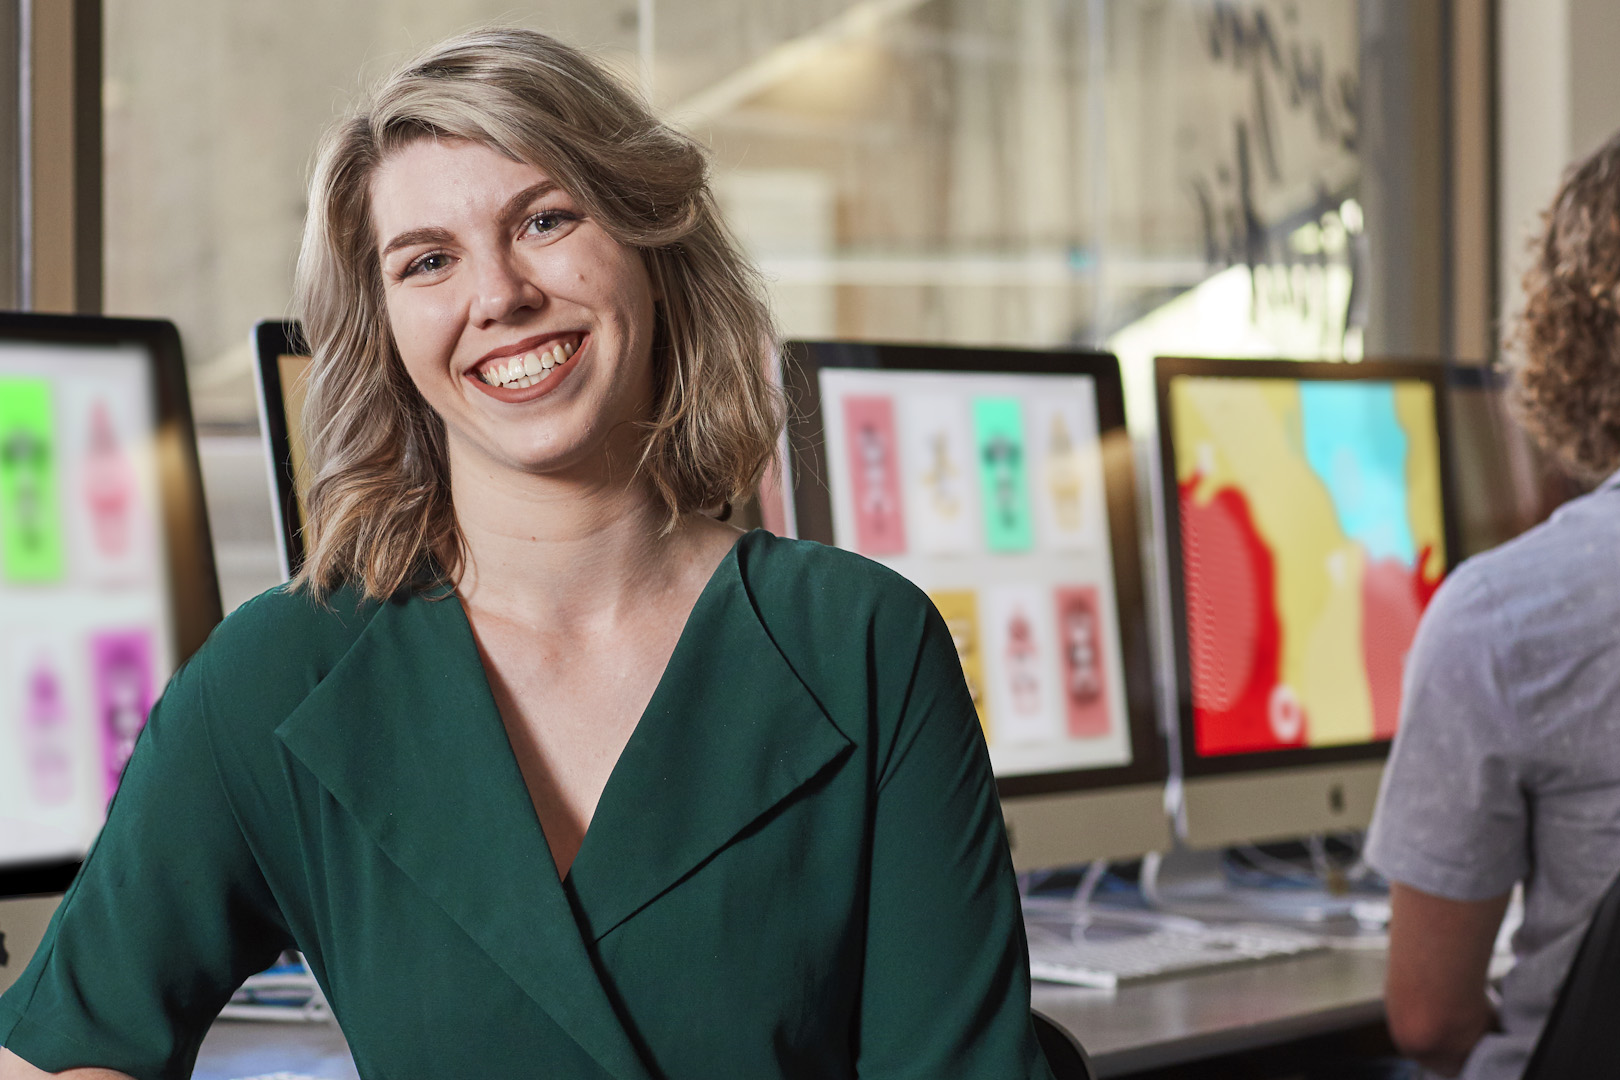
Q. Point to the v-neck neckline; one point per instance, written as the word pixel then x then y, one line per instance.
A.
pixel 723 574
pixel 409 744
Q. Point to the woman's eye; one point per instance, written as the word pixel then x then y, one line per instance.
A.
pixel 431 263
pixel 547 221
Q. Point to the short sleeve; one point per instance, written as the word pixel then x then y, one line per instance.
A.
pixel 945 992
pixel 1452 818
pixel 165 920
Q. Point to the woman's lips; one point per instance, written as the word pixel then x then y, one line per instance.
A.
pixel 513 381
pixel 514 371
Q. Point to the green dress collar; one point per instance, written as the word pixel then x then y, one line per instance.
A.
pixel 405 735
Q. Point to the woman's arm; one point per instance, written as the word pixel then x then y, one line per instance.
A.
pixel 13 1067
pixel 169 914
pixel 945 994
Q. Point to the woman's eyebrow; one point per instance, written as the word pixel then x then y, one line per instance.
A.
pixel 517 203
pixel 412 237
pixel 434 235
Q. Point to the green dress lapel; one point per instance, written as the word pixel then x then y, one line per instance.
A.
pixel 729 733
pixel 405 734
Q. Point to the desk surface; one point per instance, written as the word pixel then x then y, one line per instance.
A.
pixel 1140 1027
pixel 237 1049
pixel 1171 1021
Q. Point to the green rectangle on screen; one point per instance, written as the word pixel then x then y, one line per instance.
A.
pixel 998 430
pixel 30 524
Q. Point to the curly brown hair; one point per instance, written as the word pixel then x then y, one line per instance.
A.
pixel 1564 348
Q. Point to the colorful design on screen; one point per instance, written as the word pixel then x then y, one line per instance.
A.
pixel 998 425
pixel 960 610
pixel 47 731
pixel 30 534
pixel 122 662
pixel 1311 543
pixel 1080 643
pixel 880 525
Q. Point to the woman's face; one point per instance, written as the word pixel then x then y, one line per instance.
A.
pixel 525 326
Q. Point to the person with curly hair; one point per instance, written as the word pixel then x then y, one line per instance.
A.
pixel 1506 767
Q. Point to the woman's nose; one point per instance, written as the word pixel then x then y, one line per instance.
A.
pixel 502 290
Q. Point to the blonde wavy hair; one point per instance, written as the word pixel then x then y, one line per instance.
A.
pixel 378 499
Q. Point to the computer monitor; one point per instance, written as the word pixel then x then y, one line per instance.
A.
pixel 282 359
pixel 1504 483
pixel 1001 482
pixel 1307 520
pixel 106 582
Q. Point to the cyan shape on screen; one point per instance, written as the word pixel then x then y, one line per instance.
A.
pixel 998 428
pixel 1355 443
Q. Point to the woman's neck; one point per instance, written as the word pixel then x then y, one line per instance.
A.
pixel 556 554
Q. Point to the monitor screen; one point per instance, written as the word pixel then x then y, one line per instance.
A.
pixel 93 616
pixel 1000 483
pixel 1307 528
pixel 283 361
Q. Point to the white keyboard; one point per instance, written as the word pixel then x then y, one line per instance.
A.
pixel 1108 955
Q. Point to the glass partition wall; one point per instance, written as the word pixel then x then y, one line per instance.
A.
pixel 1250 178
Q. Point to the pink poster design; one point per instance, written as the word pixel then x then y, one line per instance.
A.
pixel 1080 644
pixel 1017 631
pixel 108 486
pixel 121 663
pixel 874 472
pixel 46 732
pixel 103 448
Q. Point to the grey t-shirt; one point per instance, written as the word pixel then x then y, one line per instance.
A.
pixel 1506 766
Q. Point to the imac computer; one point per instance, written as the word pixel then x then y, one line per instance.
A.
pixel 1001 482
pixel 283 360
pixel 1307 521
pixel 106 584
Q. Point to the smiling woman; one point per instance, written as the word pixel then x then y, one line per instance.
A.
pixel 575 152
pixel 546 770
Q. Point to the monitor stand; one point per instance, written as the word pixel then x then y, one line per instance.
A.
pixel 1080 911
pixel 1195 884
pixel 22 928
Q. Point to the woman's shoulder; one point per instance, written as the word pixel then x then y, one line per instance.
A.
pixel 284 623
pixel 841 620
pixel 865 641
pixel 826 585
pixel 270 652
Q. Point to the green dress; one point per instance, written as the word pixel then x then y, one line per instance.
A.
pixel 797 868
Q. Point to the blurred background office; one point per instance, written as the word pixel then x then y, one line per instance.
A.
pixel 1331 180
pixel 1303 178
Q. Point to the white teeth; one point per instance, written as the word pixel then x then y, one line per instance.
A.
pixel 528 369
